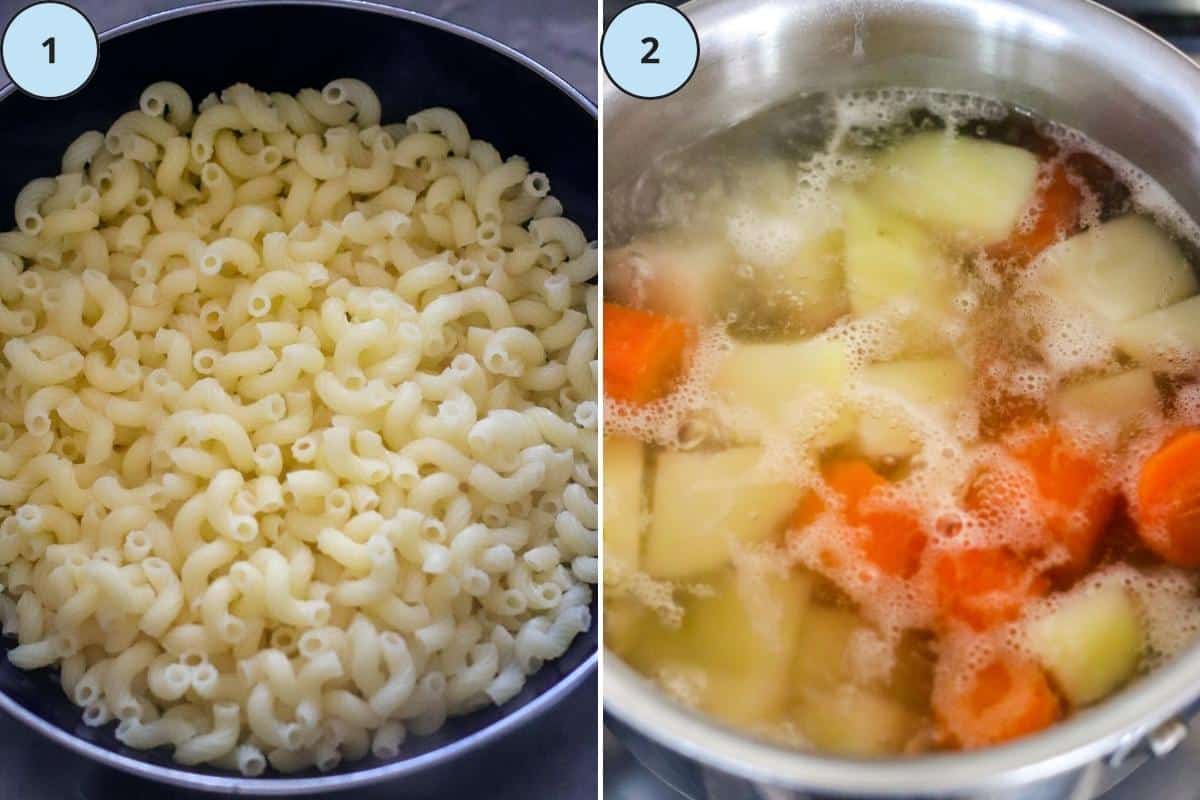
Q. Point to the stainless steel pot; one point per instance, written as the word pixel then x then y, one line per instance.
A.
pixel 413 61
pixel 1070 60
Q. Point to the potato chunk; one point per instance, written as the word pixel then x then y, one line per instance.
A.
pixel 892 263
pixel 738 643
pixel 957 185
pixel 789 278
pixel 1119 400
pixel 1167 339
pixel 815 278
pixel 1091 643
pixel 751 616
pixel 1119 270
pixel 821 650
pixel 623 471
pixel 794 382
pixel 934 388
pixel 705 502
pixel 676 275
pixel 625 619
pixel 851 720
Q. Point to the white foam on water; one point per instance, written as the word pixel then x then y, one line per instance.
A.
pixel 950 455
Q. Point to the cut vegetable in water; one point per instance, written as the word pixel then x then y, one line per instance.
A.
pixel 923 471
pixel 1090 641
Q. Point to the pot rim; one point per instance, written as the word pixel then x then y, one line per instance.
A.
pixel 237 784
pixel 1116 726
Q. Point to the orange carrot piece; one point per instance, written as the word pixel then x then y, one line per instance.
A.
pixel 1077 506
pixel 809 509
pixel 1073 482
pixel 1008 698
pixel 1059 203
pixel 1064 474
pixel 984 587
pixel 644 353
pixel 891 537
pixel 854 480
pixel 1168 501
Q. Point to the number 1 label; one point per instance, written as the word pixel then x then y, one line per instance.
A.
pixel 50 50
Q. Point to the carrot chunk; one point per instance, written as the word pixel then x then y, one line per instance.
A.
pixel 644 353
pixel 1072 482
pixel 1065 474
pixel 890 534
pixel 811 507
pixel 1075 505
pixel 1005 699
pixel 1168 501
pixel 854 480
pixel 1058 205
pixel 984 587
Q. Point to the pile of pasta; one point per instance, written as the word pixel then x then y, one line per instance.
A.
pixel 297 426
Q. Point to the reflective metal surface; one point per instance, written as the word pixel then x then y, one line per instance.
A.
pixel 1070 60
pixel 413 61
pixel 625 778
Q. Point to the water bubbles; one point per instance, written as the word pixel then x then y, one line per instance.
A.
pixel 660 422
pixel 767 220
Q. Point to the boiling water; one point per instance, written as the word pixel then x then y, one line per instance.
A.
pixel 723 220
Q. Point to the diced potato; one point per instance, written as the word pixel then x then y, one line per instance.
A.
pixel 624 620
pixel 936 387
pixel 1120 270
pixel 933 382
pixel 749 644
pixel 892 262
pixel 888 257
pixel 957 185
pixel 814 276
pixel 789 277
pixel 850 720
pixel 1115 399
pixel 821 649
pixel 765 377
pixel 749 619
pixel 1092 643
pixel 741 645
pixel 706 502
pixel 1072 338
pixel 798 382
pixel 675 275
pixel 1167 339
pixel 623 509
pixel 743 699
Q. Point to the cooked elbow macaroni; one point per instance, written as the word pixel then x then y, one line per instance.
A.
pixel 298 424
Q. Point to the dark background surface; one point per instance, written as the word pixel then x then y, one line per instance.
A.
pixel 561 34
pixel 555 756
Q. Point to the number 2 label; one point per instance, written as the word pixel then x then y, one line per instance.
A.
pixel 650 50
pixel 650 58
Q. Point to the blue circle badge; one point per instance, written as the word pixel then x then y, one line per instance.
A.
pixel 650 50
pixel 50 50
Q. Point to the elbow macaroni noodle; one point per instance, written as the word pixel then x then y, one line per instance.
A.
pixel 298 422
